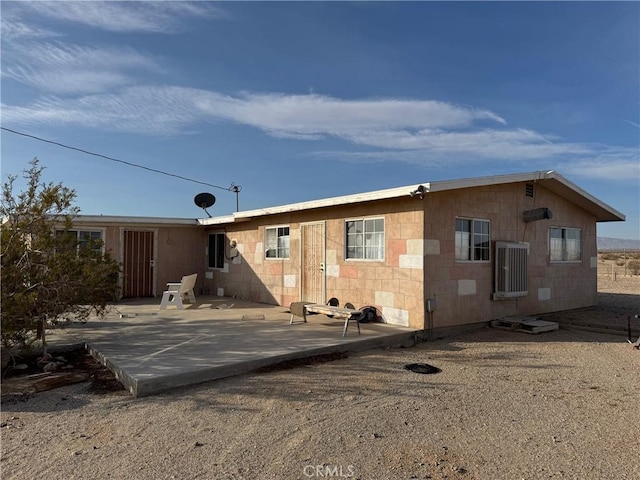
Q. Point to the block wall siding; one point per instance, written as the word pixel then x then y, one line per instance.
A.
pixel 463 290
pixel 179 251
pixel 394 286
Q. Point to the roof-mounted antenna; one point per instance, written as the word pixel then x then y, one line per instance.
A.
pixel 236 189
pixel 204 201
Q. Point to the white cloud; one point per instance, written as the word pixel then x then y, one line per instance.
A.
pixel 290 116
pixel 321 115
pixel 30 57
pixel 482 142
pixel 615 164
pixel 71 69
pixel 15 29
pixel 414 131
pixel 157 17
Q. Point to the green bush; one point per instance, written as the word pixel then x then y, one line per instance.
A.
pixel 47 278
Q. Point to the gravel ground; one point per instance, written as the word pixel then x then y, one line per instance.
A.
pixel 617 301
pixel 506 405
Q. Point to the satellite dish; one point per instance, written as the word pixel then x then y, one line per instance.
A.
pixel 204 201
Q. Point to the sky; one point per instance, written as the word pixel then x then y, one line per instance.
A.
pixel 299 101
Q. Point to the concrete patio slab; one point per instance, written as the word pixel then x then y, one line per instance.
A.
pixel 152 350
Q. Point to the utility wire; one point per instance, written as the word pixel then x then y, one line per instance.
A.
pixel 232 188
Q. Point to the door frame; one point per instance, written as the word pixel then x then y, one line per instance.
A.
pixel 154 258
pixel 323 281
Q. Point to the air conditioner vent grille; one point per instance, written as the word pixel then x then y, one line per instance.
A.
pixel 510 270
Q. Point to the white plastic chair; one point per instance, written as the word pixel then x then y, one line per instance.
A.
pixel 177 292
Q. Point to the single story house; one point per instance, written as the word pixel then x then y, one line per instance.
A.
pixel 448 252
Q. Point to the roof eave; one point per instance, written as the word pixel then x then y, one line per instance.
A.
pixel 575 194
pixel 125 220
pixel 555 181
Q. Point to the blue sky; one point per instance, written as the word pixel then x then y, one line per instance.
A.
pixel 300 101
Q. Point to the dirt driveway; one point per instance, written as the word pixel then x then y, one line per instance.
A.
pixel 506 405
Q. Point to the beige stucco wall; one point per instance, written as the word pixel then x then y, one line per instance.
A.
pixel 394 285
pixel 463 290
pixel 419 256
pixel 178 250
pixel 419 261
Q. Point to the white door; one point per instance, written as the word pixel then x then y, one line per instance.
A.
pixel 312 262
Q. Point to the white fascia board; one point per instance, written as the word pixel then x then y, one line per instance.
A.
pixel 444 185
pixel 395 192
pixel 330 202
pixel 602 211
pixel 125 220
pixel 217 220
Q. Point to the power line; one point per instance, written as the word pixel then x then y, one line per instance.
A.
pixel 232 188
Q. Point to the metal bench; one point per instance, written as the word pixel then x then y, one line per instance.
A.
pixel 337 312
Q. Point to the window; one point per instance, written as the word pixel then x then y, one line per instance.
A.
pixel 277 242
pixel 564 245
pixel 216 250
pixel 365 239
pixel 473 240
pixel 82 239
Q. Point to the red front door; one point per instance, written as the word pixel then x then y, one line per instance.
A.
pixel 138 264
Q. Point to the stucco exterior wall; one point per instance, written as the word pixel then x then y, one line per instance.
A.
pixel 419 258
pixel 394 285
pixel 463 289
pixel 178 250
pixel 419 261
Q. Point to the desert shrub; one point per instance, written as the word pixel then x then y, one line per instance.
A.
pixel 610 256
pixel 47 276
pixel 634 267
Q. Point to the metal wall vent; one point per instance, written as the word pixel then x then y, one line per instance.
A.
pixel 528 189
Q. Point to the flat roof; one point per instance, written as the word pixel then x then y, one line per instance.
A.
pixel 550 179
pixel 126 220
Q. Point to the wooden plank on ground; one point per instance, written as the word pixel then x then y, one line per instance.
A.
pixel 525 324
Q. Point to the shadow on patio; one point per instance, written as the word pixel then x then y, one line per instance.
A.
pixel 152 350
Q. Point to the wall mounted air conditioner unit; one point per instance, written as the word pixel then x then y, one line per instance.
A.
pixel 510 276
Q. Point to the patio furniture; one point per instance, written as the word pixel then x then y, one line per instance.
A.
pixel 177 292
pixel 356 316
pixel 338 312
pixel 297 310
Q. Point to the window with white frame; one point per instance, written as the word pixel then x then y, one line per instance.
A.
pixel 365 239
pixel 564 244
pixel 473 240
pixel 217 242
pixel 82 239
pixel 276 241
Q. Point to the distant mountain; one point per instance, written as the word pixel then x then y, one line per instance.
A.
pixel 618 244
